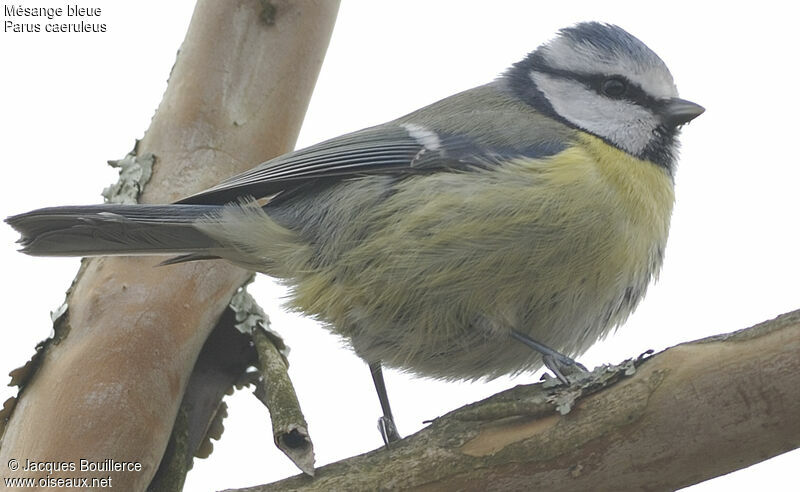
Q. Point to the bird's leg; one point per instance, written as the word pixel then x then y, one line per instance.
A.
pixel 386 423
pixel 558 363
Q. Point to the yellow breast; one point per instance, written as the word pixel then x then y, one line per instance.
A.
pixel 560 248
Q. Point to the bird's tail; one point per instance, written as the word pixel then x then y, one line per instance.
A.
pixel 96 230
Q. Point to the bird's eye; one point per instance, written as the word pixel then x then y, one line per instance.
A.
pixel 614 87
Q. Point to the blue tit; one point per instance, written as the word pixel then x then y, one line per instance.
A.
pixel 532 209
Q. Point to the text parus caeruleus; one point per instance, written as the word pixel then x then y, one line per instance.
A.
pixel 532 209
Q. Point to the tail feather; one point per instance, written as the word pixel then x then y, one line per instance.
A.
pixel 94 230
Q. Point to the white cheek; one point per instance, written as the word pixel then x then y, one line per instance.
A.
pixel 627 125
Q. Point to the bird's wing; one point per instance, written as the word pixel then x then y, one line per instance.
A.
pixel 401 148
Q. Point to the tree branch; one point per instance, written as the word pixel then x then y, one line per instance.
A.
pixel 110 386
pixel 693 412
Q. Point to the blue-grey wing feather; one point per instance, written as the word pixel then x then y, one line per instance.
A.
pixel 379 149
pixel 422 142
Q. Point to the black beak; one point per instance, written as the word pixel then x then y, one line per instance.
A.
pixel 678 111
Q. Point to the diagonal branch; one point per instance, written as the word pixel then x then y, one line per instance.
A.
pixel 693 412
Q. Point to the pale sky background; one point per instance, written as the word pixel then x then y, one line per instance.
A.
pixel 72 101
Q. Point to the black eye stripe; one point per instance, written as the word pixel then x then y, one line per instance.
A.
pixel 634 92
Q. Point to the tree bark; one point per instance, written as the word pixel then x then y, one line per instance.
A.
pixel 110 387
pixel 693 412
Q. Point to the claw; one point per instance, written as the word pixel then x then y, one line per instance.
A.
pixel 388 430
pixel 559 364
